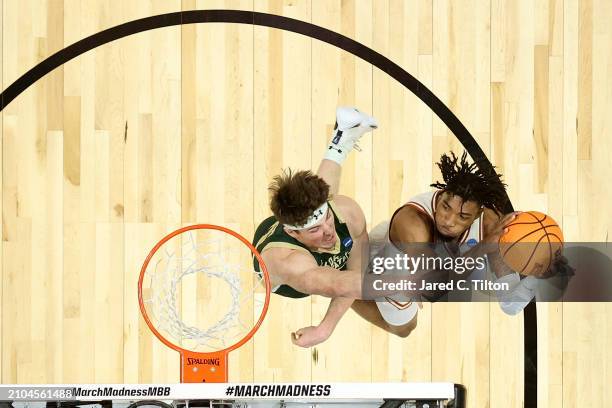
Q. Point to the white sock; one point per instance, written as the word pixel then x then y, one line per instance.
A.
pixel 338 152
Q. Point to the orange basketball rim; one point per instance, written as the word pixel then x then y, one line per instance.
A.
pixel 197 366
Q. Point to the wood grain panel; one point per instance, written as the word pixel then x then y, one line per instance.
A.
pixel 180 125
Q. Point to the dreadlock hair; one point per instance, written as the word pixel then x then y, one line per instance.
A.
pixel 471 183
pixel 294 196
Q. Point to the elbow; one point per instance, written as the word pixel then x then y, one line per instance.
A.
pixel 348 287
pixel 339 284
pixel 333 290
pixel 511 308
pixel 314 286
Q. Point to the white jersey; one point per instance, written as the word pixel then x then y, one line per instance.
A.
pixel 398 312
pixel 425 203
pixel 522 290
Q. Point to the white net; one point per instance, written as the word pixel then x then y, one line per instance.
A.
pixel 201 292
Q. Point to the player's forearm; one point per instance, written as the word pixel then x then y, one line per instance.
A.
pixel 520 292
pixel 330 172
pixel 498 266
pixel 337 308
pixel 330 282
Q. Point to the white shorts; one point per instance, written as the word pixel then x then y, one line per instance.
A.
pixel 396 311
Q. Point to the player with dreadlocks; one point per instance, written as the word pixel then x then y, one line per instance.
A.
pixel 467 182
pixel 463 213
pixel 466 208
pixel 462 218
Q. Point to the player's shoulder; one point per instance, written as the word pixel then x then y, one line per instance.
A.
pixel 408 215
pixel 281 261
pixel 348 211
pixel 409 224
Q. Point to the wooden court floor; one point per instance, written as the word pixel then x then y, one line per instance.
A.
pixel 188 124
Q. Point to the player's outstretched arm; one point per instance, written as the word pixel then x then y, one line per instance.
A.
pixel 521 291
pixel 313 335
pixel 330 171
pixel 300 271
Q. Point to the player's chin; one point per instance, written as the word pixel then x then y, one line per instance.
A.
pixel 328 244
pixel 448 233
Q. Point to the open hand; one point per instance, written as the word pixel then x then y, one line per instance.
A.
pixel 497 229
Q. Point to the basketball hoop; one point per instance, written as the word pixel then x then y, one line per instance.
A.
pixel 178 281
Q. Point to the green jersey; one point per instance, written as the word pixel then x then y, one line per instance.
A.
pixel 271 234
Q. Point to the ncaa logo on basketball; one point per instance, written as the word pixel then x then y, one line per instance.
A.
pixel 471 242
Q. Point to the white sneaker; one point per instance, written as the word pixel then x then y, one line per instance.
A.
pixel 351 125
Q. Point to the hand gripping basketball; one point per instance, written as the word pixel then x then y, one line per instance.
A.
pixel 531 244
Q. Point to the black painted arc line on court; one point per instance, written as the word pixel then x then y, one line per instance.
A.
pixel 313 31
pixel 268 20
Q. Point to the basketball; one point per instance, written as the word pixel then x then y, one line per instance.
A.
pixel 531 243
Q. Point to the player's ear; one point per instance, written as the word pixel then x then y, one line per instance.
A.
pixel 292 233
